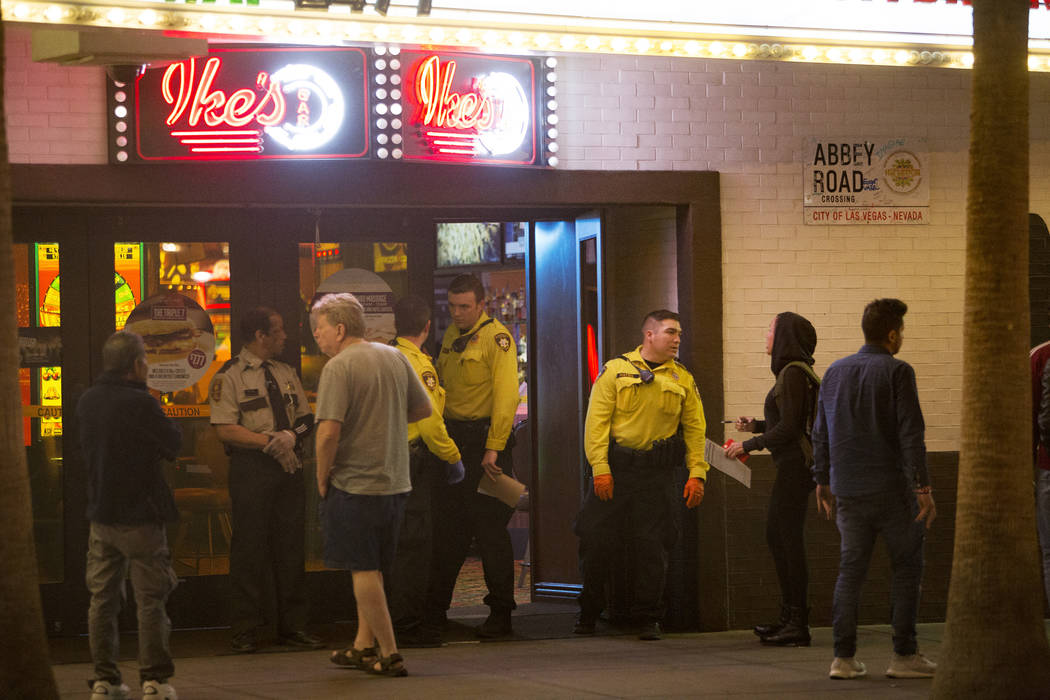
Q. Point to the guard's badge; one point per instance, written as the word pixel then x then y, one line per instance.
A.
pixel 504 342
pixel 430 380
pixel 216 389
pixel 674 376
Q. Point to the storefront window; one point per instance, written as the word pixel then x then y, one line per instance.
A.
pixel 177 296
pixel 40 379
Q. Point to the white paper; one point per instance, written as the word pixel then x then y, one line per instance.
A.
pixel 733 468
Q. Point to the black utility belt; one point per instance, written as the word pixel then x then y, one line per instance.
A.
pixel 476 424
pixel 469 429
pixel 417 448
pixel 663 454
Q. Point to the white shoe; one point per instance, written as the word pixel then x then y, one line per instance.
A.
pixel 155 690
pixel 914 666
pixel 104 690
pixel 844 669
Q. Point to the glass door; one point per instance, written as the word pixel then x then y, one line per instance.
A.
pixel 177 296
pixel 37 284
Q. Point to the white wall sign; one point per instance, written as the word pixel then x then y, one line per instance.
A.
pixel 865 181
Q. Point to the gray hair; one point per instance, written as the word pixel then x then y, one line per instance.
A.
pixel 121 350
pixel 342 308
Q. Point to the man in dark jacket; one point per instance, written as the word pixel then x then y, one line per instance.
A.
pixel 870 466
pixel 125 436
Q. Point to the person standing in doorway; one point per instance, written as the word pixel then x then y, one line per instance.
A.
pixel 644 420
pixel 785 432
pixel 434 458
pixel 870 466
pixel 367 396
pixel 126 438
pixel 261 414
pixel 478 366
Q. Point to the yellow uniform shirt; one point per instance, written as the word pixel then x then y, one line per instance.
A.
pixel 432 428
pixel 637 414
pixel 481 381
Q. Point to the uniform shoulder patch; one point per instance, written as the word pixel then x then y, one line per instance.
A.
pixel 215 392
pixel 430 380
pixel 504 341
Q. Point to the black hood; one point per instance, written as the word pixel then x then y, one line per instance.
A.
pixel 794 339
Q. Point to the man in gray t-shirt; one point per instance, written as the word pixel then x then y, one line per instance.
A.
pixel 367 395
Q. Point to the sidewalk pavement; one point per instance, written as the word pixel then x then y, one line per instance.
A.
pixel 691 665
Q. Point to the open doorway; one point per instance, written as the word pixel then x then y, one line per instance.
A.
pixel 495 252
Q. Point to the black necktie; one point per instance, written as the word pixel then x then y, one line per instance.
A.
pixel 273 392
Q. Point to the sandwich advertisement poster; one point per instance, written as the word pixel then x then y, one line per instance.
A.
pixel 179 339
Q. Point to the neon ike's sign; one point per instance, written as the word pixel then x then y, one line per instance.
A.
pixel 239 109
pixel 495 112
pixel 300 107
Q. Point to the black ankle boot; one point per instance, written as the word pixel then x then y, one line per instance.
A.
pixel 774 627
pixel 794 633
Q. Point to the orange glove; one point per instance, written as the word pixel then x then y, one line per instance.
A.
pixel 603 487
pixel 694 492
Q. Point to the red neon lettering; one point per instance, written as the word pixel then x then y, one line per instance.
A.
pixel 440 107
pixel 239 109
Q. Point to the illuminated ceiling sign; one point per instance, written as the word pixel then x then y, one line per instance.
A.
pixel 245 104
pixel 462 108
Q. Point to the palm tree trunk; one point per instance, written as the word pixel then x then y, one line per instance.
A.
pixel 995 644
pixel 25 669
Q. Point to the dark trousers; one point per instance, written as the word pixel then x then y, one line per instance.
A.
pixel 268 543
pixel 785 526
pixel 860 521
pixel 639 511
pixel 410 579
pixel 462 515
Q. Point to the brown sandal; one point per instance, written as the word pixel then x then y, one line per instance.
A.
pixel 393 665
pixel 354 658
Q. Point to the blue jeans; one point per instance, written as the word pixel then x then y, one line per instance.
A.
pixel 113 550
pixel 1042 518
pixel 860 521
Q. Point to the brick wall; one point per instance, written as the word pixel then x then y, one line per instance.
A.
pixel 54 114
pixel 748 120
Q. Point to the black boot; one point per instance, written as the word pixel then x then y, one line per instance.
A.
pixel 795 633
pixel 496 625
pixel 774 627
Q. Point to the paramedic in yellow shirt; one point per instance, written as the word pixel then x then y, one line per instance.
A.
pixel 478 367
pixel 644 420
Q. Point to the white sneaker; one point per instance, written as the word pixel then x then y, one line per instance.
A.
pixel 914 666
pixel 155 690
pixel 104 690
pixel 844 669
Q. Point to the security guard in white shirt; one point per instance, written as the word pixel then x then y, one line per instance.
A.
pixel 261 414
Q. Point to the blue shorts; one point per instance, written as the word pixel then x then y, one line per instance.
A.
pixel 360 532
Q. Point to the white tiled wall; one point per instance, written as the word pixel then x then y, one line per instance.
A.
pixel 747 120
pixel 54 114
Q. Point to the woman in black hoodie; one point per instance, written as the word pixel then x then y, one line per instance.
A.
pixel 790 343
